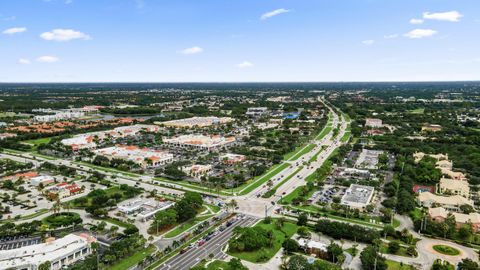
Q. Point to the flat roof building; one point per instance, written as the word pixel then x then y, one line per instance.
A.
pixel 373 122
pixel 145 157
pixel 451 203
pixel 200 142
pixel 196 122
pixel 454 187
pixel 358 196
pixel 60 252
pixel 368 159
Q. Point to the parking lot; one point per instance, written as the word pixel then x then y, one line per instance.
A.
pixel 12 242
pixel 327 194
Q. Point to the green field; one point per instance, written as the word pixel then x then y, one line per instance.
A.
pixel 133 260
pixel 446 250
pixel 393 265
pixel 263 179
pixel 302 151
pixel 418 111
pixel 185 226
pixel 36 142
pixel 265 254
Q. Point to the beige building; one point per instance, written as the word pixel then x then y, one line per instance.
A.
pixel 454 187
pixel 452 203
pixel 197 170
pixel 196 122
pixel 439 214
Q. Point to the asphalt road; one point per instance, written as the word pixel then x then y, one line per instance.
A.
pixel 213 246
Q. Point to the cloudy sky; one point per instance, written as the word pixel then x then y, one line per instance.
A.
pixel 238 40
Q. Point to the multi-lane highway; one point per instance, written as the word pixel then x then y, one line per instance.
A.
pixel 213 246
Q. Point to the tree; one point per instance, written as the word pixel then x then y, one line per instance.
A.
pixel 466 231
pixel 290 246
pixel 236 264
pixel 468 264
pixel 302 219
pixel 45 265
pixel 371 260
pixel 304 232
pixel 334 251
pixel 297 262
pixel 393 247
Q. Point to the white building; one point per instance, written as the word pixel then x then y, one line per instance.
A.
pixel 200 142
pixel 60 252
pixel 257 112
pixel 144 209
pixel 358 196
pixel 368 159
pixel 87 140
pixel 58 116
pixel 41 179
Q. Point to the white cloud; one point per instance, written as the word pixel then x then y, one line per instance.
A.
pixel 192 50
pixel 14 30
pixel 416 21
pixel 47 59
pixel 450 16
pixel 245 64
pixel 64 35
pixel 273 13
pixel 420 33
pixel 390 36
pixel 23 61
pixel 368 42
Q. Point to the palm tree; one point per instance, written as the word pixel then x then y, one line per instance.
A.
pixel 232 204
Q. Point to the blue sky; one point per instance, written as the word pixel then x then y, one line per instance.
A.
pixel 238 40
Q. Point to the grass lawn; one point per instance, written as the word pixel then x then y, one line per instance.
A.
pixel 106 169
pixel 302 151
pixel 117 222
pixel 416 214
pixel 287 199
pixel 401 252
pixel 324 132
pixel 133 260
pixel 346 136
pixel 417 111
pixel 265 254
pixel 266 176
pixel 216 265
pixel 446 250
pixel 185 226
pixel 393 265
pixel 36 142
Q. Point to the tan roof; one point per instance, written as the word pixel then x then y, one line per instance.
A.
pixel 446 200
pixel 459 217
pixel 454 185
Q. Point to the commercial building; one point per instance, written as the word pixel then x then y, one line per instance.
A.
pixel 4 136
pixel 197 170
pixel 368 159
pixel 440 214
pixel 196 122
pixel 60 252
pixel 358 196
pixel 452 203
pixel 454 187
pixel 431 128
pixel 312 247
pixel 42 179
pixel 145 157
pixel 256 112
pixel 63 190
pixel 144 209
pixel 232 158
pixel 200 142
pixel 89 140
pixel 373 122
